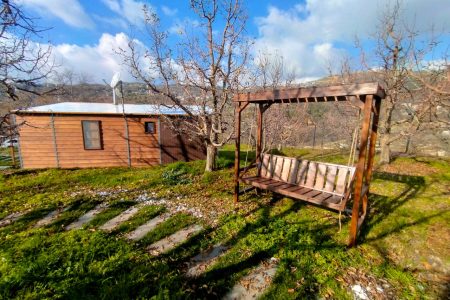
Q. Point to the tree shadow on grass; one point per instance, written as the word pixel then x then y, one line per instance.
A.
pixel 26 220
pixel 220 279
pixel 76 210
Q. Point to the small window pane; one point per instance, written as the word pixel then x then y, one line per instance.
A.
pixel 149 127
pixel 91 135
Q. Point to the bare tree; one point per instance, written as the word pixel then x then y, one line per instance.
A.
pixel 23 63
pixel 202 73
pixel 283 122
pixel 398 64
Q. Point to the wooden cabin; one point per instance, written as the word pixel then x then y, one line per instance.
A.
pixel 82 135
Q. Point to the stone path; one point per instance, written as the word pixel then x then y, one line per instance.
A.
pixel 86 218
pixel 12 218
pixel 50 217
pixel 203 261
pixel 173 240
pixel 254 284
pixel 251 286
pixel 123 217
pixel 142 230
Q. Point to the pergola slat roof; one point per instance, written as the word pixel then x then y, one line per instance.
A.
pixel 313 94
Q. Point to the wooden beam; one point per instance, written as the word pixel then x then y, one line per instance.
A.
pixel 259 129
pixel 360 169
pixel 373 141
pixel 371 155
pixel 317 93
pixel 237 152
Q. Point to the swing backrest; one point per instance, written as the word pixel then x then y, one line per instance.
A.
pixel 331 178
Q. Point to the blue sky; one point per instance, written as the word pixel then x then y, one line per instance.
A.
pixel 307 33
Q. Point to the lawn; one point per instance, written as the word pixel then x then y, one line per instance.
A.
pixel 404 247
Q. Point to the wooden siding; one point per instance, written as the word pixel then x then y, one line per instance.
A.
pixel 38 150
pixel 36 142
pixel 176 147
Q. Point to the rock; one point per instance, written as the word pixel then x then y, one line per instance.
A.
pixel 359 292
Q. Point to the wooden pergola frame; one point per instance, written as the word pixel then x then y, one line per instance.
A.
pixel 367 96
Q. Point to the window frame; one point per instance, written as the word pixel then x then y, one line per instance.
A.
pixel 99 133
pixel 154 127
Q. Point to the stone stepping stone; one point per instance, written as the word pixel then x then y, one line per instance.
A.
pixel 170 242
pixel 142 230
pixel 123 217
pixel 12 218
pixel 203 261
pixel 254 284
pixel 50 217
pixel 86 218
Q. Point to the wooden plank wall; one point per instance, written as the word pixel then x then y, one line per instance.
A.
pixel 36 142
pixel 37 146
pixel 144 147
pixel 175 147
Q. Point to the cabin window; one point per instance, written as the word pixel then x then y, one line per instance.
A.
pixel 150 127
pixel 92 137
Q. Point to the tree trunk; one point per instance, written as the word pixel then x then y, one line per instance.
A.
pixel 211 153
pixel 385 155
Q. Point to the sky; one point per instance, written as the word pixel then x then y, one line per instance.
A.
pixel 308 34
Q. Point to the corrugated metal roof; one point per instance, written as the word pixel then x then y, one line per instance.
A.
pixel 108 108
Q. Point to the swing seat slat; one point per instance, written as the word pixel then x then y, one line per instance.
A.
pixel 318 183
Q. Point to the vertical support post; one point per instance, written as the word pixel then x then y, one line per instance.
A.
pixel 55 144
pixel 360 169
pixel 371 154
pixel 14 122
pixel 127 139
pixel 259 137
pixel 159 140
pixel 373 140
pixel 237 151
pixel 11 135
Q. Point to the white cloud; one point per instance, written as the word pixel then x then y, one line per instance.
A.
pixel 130 10
pixel 70 11
pixel 170 12
pixel 310 35
pixel 115 22
pixel 99 61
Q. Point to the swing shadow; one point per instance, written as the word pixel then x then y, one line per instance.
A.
pixel 381 207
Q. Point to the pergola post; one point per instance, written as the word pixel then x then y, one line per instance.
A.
pixel 371 154
pixel 259 129
pixel 237 152
pixel 373 140
pixel 360 170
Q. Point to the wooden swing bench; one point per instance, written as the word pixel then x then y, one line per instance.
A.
pixel 318 183
pixel 321 184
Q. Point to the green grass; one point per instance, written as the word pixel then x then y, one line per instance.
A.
pixel 170 226
pixel 405 241
pixel 112 211
pixel 146 213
